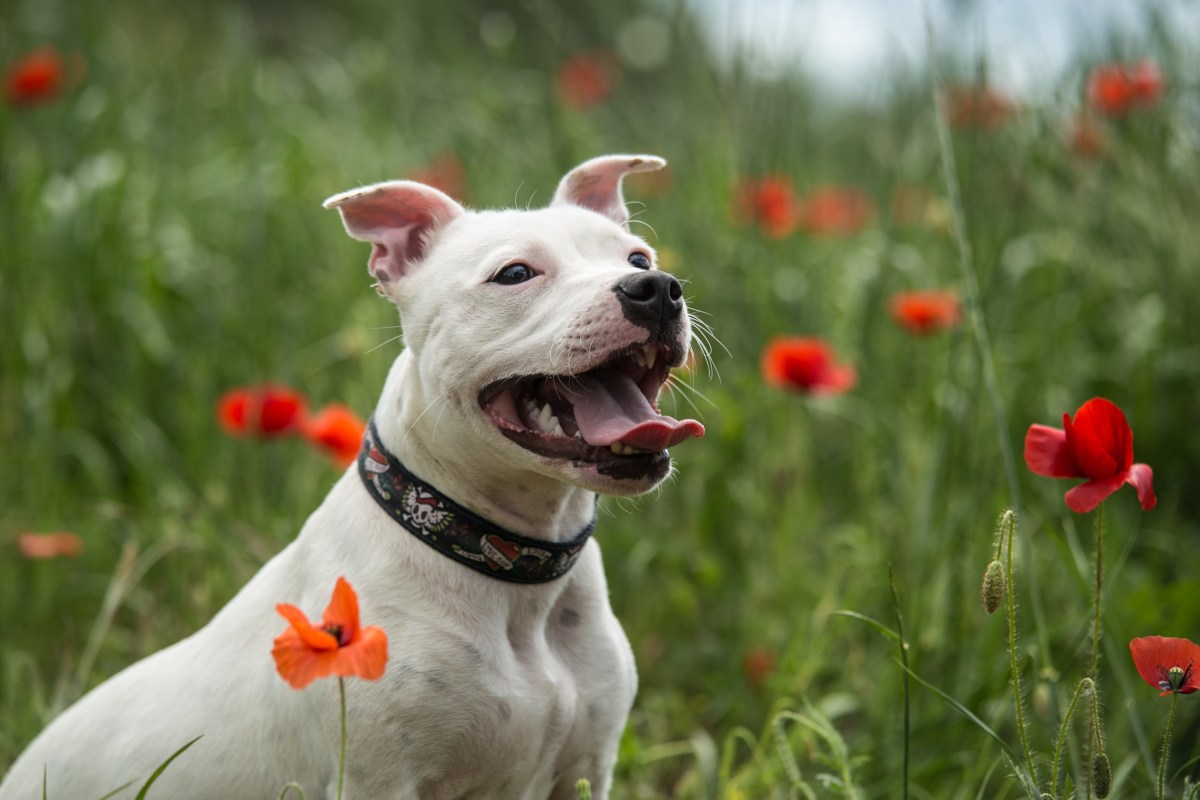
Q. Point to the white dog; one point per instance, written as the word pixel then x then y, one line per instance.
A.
pixel 536 346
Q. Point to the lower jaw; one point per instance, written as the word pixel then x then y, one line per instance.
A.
pixel 652 467
pixel 646 468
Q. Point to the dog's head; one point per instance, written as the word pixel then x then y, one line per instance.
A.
pixel 549 333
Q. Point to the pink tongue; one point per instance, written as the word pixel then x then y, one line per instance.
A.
pixel 610 408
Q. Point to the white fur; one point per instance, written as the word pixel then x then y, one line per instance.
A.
pixel 493 689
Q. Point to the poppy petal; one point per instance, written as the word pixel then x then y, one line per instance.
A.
pixel 1047 453
pixel 1154 654
pixel 299 664
pixel 1102 440
pixel 1141 477
pixel 337 430
pixel 343 611
pixel 313 638
pixel 365 657
pixel 49 545
pixel 1086 496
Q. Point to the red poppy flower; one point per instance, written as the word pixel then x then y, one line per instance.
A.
pixel 1147 82
pixel 49 545
pixel 1172 665
pixel 806 364
pixel 37 78
pixel 768 202
pixel 757 666
pixel 444 173
pixel 833 211
pixel 1097 445
pixel 266 411
pixel 303 653
pixel 587 79
pixel 928 312
pixel 977 107
pixel 1115 89
pixel 338 431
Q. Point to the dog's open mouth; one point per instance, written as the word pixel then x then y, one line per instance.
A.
pixel 608 411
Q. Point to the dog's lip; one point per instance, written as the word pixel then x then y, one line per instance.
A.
pixel 617 404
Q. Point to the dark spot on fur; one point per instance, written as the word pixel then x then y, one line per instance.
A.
pixel 505 711
pixel 569 618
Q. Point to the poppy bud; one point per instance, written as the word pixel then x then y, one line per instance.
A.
pixel 1101 775
pixel 994 586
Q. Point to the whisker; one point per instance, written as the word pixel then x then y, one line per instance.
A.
pixel 399 338
pixel 432 403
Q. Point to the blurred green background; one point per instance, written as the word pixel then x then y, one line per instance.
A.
pixel 162 240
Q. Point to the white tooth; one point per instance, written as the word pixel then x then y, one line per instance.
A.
pixel 544 416
pixel 558 431
pixel 579 435
pixel 651 356
pixel 638 358
pixel 615 447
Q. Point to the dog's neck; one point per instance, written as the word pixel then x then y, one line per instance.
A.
pixel 477 478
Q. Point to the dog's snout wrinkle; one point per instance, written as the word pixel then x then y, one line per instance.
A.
pixel 651 300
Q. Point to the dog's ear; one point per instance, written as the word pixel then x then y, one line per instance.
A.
pixel 596 184
pixel 397 218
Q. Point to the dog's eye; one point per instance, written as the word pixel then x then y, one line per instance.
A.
pixel 513 274
pixel 639 260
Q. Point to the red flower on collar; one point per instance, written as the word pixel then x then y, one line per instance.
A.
pixel 1172 665
pixel 1097 445
pixel 303 653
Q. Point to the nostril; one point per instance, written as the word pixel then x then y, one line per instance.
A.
pixel 637 289
pixel 650 299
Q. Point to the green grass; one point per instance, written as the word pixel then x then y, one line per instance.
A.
pixel 161 240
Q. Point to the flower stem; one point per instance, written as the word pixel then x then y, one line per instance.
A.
pixel 1099 588
pixel 1085 683
pixel 1166 746
pixel 1011 521
pixel 1094 671
pixel 342 753
pixel 904 661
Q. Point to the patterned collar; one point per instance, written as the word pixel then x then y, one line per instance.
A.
pixel 456 532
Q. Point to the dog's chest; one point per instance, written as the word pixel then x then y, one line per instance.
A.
pixel 519 708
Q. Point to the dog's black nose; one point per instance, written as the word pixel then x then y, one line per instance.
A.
pixel 650 299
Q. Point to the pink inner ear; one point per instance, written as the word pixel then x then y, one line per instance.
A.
pixel 596 184
pixel 397 218
pixel 379 264
pixel 394 250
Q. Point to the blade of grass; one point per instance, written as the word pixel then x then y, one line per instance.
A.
pixel 961 709
pixel 162 768
pixel 874 623
pixel 115 791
